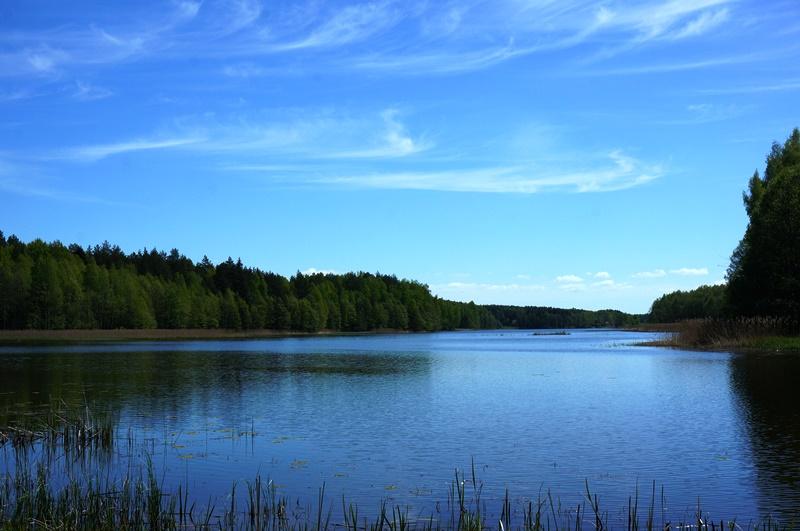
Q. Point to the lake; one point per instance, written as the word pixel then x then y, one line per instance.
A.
pixel 391 417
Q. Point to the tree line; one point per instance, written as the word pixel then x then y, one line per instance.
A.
pixel 763 278
pixel 52 286
pixel 546 317
pixel 705 301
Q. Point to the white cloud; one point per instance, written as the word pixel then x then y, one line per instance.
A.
pixel 568 279
pixel 349 24
pixel 394 141
pixel 602 275
pixel 101 151
pixel 291 133
pixel 690 272
pixel 315 271
pixel 656 273
pixel 404 37
pixel 703 23
pixel 623 172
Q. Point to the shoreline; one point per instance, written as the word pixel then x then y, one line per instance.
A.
pixel 773 344
pixel 101 335
pixel 33 336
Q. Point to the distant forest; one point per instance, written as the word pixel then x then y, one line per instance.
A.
pixel 53 286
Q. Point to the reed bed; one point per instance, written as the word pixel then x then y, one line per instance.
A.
pixel 70 428
pixel 740 332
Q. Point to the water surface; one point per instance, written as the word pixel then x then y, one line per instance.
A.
pixel 392 416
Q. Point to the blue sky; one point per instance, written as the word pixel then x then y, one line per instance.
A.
pixel 565 153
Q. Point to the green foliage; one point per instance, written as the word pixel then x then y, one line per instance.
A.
pixel 764 274
pixel 49 286
pixel 705 301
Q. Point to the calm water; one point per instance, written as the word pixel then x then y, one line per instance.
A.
pixel 392 416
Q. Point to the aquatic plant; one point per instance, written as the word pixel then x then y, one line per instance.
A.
pixel 41 489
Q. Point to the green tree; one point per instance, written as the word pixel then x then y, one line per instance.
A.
pixel 764 273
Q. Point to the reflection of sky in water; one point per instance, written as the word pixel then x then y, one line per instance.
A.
pixel 392 416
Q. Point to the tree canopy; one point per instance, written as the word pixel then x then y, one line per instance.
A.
pixel 764 274
pixel 705 301
pixel 51 286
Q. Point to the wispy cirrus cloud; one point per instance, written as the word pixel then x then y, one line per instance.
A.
pixel 393 141
pixel 406 38
pixel 347 25
pixel 778 86
pixel 618 172
pixel 666 68
pixel 705 22
pixel 27 181
pixel 96 152
pixel 317 134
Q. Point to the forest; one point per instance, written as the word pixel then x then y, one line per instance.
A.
pixel 53 286
pixel 545 317
pixel 763 278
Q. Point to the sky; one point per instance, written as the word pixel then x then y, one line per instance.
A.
pixel 538 152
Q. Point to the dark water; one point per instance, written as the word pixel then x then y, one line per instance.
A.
pixel 392 416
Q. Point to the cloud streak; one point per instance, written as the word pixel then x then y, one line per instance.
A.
pixel 100 151
pixel 405 38
pixel 618 172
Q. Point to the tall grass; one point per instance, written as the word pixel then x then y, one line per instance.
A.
pixel 731 333
pixel 42 488
pixel 139 502
pixel 70 428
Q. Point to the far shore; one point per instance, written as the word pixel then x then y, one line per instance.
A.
pixel 34 336
pixel 163 334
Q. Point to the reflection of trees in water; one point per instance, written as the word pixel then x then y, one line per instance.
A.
pixel 177 383
pixel 768 389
